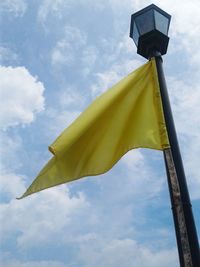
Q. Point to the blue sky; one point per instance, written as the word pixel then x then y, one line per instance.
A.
pixel 56 56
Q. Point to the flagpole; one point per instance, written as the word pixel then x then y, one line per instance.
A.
pixel 177 210
pixel 186 234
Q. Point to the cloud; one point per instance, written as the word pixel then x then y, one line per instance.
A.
pixel 185 102
pixel 67 106
pixel 11 184
pixel 66 49
pixel 185 95
pixel 16 7
pixel 7 56
pixel 133 158
pixel 47 7
pixel 61 119
pixel 111 76
pixel 74 46
pixel 17 263
pixel 21 96
pixel 88 59
pixel 126 253
pixel 59 8
pixel 70 99
pixel 140 172
pixel 10 149
pixel 48 213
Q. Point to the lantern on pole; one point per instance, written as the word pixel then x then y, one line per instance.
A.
pixel 149 30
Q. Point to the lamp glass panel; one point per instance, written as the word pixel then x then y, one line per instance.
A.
pixel 145 22
pixel 162 22
pixel 135 34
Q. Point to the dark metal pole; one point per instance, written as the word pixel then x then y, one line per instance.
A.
pixel 178 213
pixel 181 179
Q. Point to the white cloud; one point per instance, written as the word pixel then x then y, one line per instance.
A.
pixel 61 119
pixel 185 95
pixel 47 213
pixel 59 8
pixel 17 7
pixel 10 147
pixel 71 47
pixel 7 55
pixel 65 50
pixel 143 180
pixel 88 59
pixel 21 96
pixel 104 81
pixel 54 7
pixel 69 103
pixel 114 74
pixel 185 18
pixel 11 184
pixel 69 99
pixel 126 253
pixel 191 161
pixel 133 158
pixel 16 263
pixel 89 55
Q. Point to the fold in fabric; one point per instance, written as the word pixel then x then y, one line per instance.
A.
pixel 127 116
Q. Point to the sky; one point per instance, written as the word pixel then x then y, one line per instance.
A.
pixel 56 56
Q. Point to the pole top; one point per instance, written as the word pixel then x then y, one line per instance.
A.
pixel 149 30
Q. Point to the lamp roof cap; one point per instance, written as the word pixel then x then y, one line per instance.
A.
pixel 152 6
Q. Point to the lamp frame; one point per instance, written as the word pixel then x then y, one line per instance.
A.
pixel 153 40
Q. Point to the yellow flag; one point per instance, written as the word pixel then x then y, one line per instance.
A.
pixel 127 116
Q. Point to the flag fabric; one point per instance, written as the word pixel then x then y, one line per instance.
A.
pixel 127 116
